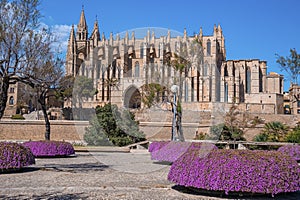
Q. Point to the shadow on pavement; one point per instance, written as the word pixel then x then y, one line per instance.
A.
pixel 76 168
pixel 48 196
pixel 19 171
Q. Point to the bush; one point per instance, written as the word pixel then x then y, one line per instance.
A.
pixel 14 156
pixel 156 145
pixel 17 116
pixel 226 132
pixel 241 171
pixel 174 150
pixel 294 135
pixel 112 126
pixel 50 148
pixel 291 150
pixel 273 132
pixel 261 137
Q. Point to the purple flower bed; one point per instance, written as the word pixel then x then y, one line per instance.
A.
pixel 14 156
pixel 174 150
pixel 227 170
pixel 291 150
pixel 156 145
pixel 50 148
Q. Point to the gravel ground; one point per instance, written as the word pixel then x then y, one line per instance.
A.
pixel 100 175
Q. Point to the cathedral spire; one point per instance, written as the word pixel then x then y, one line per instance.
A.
pixel 96 33
pixel 153 36
pixel 82 29
pixel 219 29
pixel 71 50
pixel 126 37
pixel 184 34
pixel 72 35
pixel 215 30
pixel 148 35
pixel 201 32
pixel 82 21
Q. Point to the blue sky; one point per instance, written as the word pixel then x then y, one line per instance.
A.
pixel 252 28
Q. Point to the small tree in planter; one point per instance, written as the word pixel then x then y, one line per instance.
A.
pixel 113 127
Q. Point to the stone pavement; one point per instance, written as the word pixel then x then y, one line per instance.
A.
pixel 99 175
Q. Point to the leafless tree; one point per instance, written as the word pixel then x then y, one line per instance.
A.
pixel 19 22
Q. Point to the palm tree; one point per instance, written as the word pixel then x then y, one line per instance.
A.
pixel 276 131
pixel 111 83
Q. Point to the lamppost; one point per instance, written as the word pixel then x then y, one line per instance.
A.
pixel 174 89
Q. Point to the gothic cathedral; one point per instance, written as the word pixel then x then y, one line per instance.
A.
pixel 120 67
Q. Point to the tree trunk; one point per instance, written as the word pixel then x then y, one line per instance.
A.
pixel 179 110
pixel 3 95
pixel 109 94
pixel 42 101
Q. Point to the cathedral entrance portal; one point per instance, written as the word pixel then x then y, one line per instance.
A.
pixel 132 98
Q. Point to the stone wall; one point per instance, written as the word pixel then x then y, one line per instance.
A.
pixel 21 130
pixel 158 127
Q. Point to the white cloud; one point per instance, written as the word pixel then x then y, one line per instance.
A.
pixel 61 34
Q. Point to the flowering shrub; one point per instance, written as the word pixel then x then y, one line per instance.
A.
pixel 14 156
pixel 173 150
pixel 50 148
pixel 156 145
pixel 291 150
pixel 227 170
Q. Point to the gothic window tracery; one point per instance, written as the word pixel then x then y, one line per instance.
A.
pixel 137 69
pixel 142 50
pixel 248 80
pixel 226 92
pixel 208 47
pixel 260 80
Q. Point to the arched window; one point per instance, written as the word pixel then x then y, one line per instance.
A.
pixel 225 71
pixel 205 70
pixel 119 72
pixel 248 80
pixel 11 100
pixel 137 69
pixel 129 72
pixel 114 68
pixel 142 50
pixel 260 80
pixel 186 91
pixel 226 92
pixel 98 70
pixel 208 47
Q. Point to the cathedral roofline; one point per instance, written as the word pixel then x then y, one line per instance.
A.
pixel 246 60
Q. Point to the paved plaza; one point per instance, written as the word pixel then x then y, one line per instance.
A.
pixel 99 175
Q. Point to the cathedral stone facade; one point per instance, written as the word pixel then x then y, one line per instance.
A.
pixel 133 62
